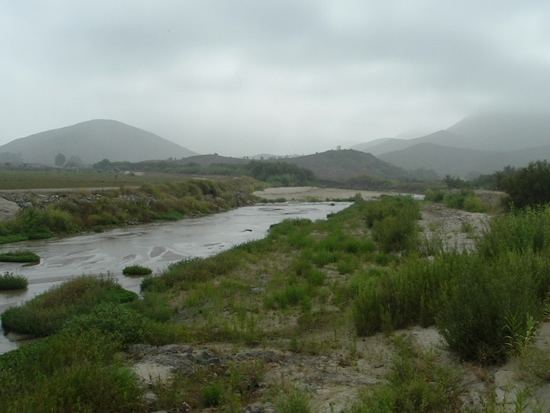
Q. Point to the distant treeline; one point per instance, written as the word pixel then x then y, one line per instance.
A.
pixel 273 173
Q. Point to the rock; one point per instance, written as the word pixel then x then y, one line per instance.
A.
pixel 258 408
pixel 8 209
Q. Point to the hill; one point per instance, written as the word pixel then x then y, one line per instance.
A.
pixel 93 141
pixel 345 164
pixel 331 165
pixel 477 144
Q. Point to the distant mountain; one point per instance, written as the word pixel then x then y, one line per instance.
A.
pixel 478 144
pixel 331 165
pixel 93 141
pixel 207 160
pixel 345 164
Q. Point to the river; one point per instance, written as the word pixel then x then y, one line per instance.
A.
pixel 154 245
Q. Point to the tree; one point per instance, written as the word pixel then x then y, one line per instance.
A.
pixel 60 159
pixel 529 186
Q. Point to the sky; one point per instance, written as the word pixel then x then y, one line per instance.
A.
pixel 246 77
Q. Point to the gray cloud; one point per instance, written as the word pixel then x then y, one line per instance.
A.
pixel 244 77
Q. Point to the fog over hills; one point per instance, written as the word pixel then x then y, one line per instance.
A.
pixel 476 145
pixel 91 142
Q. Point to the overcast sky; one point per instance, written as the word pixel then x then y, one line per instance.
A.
pixel 242 77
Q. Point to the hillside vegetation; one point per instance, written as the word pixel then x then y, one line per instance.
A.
pixel 86 210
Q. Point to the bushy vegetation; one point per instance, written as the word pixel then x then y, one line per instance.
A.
pixel 528 186
pixel 273 172
pixel 168 201
pixel 417 383
pixel 136 270
pixel 479 301
pixel 393 222
pixel 464 199
pixel 11 281
pixel 47 313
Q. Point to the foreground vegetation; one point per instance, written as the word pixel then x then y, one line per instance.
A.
pixel 302 289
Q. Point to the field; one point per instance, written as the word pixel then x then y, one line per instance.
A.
pixel 20 179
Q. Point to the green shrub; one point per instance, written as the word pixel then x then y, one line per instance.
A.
pixel 46 313
pixel 293 401
pixel 527 186
pixel 125 325
pixel 136 270
pixel 10 281
pixel 418 382
pixel 212 395
pixel 19 256
pixel 68 372
pixel 154 307
pixel 477 306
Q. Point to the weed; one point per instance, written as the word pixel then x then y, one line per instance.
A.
pixel 10 281
pixel 136 270
pixel 417 383
pixel 294 400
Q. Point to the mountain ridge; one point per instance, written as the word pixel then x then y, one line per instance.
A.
pixel 92 141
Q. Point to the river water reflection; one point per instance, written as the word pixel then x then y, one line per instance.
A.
pixel 154 246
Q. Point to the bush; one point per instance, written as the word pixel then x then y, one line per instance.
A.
pixel 528 186
pixel 212 395
pixel 68 372
pixel 136 270
pixel 417 383
pixel 123 324
pixel 293 401
pixel 10 281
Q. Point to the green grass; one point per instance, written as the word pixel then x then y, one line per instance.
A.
pixel 19 256
pixel 10 281
pixel 136 270
pixel 418 382
pixel 47 313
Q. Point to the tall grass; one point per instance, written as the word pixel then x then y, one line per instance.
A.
pixel 417 383
pixel 479 301
pixel 47 313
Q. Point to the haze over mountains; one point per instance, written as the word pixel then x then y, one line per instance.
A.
pixel 476 145
pixel 91 142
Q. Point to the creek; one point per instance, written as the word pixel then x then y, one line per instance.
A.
pixel 154 245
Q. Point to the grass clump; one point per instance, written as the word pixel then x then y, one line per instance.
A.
pixel 71 371
pixel 293 401
pixel 136 270
pixel 417 383
pixel 19 256
pixel 393 222
pixel 10 281
pixel 47 313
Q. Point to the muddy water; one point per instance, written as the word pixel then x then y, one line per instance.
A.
pixel 154 246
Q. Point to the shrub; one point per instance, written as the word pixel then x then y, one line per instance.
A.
pixel 417 383
pixel 527 186
pixel 10 281
pixel 136 270
pixel 212 395
pixel 123 324
pixel 68 372
pixel 293 401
